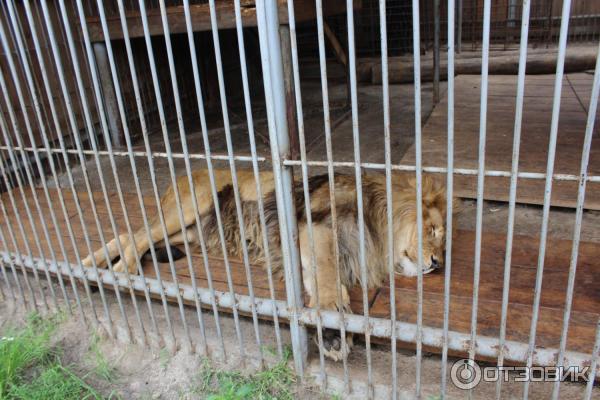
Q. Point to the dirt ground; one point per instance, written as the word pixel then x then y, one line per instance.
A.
pixel 162 370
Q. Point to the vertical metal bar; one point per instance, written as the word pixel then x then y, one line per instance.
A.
pixel 268 27
pixel 251 136
pixel 583 173
pixel 74 127
pixel 12 177
pixel 107 139
pixel 359 194
pixel 23 235
pixel 331 181
pixel 236 193
pixel 513 184
pixel 17 30
pixel 480 172
pixel 28 212
pixel 10 289
pixel 187 162
pixel 459 22
pixel 3 295
pixel 89 125
pixel 449 196
pixel 11 262
pixel 39 22
pixel 594 364
pixel 388 189
pixel 161 112
pixel 17 85
pixel 436 51
pixel 21 187
pixel 46 143
pixel 200 103
pixel 2 262
pixel 77 104
pixel 419 180
pixel 305 187
pixel 562 48
pixel 151 169
pixel 104 128
pixel 65 161
pixel 121 110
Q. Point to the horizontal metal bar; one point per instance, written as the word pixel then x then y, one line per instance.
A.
pixel 157 154
pixel 349 164
pixel 443 170
pixel 380 327
pixel 558 17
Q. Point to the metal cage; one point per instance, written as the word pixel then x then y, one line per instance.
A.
pixel 79 107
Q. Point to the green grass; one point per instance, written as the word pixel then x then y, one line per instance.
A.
pixel 276 382
pixel 30 368
pixel 54 382
pixel 102 368
pixel 164 357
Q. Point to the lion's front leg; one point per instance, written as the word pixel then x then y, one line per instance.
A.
pixel 321 286
pixel 333 344
pixel 99 257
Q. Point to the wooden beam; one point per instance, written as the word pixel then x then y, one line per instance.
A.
pixel 108 95
pixel 290 99
pixel 335 44
pixel 340 54
pixel 200 15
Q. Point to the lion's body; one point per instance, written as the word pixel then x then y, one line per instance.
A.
pixel 346 215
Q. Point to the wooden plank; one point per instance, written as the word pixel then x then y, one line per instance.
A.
pixel 200 16
pixel 523 269
pixel 534 141
pixel 503 62
pixel 581 329
pixel 38 193
pixel 586 300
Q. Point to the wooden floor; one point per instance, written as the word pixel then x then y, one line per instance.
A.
pixel 537 115
pixel 586 301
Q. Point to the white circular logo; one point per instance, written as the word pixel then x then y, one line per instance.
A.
pixel 465 374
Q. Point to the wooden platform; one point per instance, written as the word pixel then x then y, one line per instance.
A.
pixel 537 114
pixel 586 301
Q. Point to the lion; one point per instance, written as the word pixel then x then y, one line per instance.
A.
pixel 375 231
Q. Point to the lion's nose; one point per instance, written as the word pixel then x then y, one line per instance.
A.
pixel 434 262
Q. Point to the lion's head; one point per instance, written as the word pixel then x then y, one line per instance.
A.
pixel 434 226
